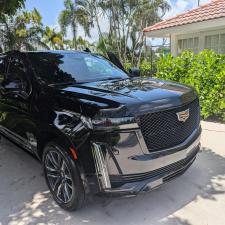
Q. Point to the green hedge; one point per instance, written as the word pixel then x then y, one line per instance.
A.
pixel 204 71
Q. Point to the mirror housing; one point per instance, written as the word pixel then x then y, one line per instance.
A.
pixel 134 72
pixel 21 95
pixel 12 89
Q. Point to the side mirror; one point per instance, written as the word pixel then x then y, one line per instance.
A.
pixel 9 85
pixel 21 95
pixel 1 86
pixel 134 72
pixel 13 89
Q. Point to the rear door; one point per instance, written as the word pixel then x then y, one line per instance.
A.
pixel 3 66
pixel 15 103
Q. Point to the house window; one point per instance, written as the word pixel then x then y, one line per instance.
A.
pixel 216 43
pixel 191 44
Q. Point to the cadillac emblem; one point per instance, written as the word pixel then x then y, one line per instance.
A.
pixel 184 115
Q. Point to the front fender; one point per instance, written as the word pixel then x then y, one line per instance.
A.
pixel 77 130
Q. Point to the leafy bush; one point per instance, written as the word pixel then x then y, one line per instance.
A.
pixel 145 68
pixel 127 66
pixel 204 71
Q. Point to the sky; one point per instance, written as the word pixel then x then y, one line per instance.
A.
pixel 50 10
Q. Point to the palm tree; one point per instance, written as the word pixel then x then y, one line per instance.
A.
pixel 53 39
pixel 10 7
pixel 22 32
pixel 127 18
pixel 82 44
pixel 145 14
pixel 72 16
pixel 93 9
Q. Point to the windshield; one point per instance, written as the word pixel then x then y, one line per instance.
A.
pixel 56 68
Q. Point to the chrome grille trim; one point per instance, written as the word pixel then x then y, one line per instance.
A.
pixel 101 166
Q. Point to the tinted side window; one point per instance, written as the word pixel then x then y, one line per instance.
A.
pixel 16 76
pixel 47 68
pixel 2 68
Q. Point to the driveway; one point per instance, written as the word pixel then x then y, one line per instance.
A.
pixel 195 198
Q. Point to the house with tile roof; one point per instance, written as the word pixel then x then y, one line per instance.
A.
pixel 195 30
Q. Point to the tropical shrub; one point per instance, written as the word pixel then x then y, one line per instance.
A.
pixel 204 71
pixel 127 66
pixel 145 68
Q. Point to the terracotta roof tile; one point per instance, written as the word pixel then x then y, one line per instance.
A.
pixel 212 10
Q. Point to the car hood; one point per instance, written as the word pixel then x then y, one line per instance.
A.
pixel 138 94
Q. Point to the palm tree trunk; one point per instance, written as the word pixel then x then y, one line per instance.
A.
pixel 74 27
pixel 116 30
pixel 134 47
pixel 99 29
pixel 74 35
pixel 100 33
pixel 126 41
pixel 140 50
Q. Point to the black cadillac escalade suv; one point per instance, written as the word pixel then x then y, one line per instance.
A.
pixel 94 127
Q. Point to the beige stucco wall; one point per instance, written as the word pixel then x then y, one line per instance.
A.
pixel 201 35
pixel 200 29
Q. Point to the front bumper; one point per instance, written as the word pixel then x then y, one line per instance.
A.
pixel 127 169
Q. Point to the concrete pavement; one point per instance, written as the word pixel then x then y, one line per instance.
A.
pixel 195 198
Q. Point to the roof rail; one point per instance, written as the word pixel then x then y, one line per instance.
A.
pixel 11 51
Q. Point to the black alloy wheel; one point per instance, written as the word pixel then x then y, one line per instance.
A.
pixel 62 177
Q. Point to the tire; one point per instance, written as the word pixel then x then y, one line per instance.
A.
pixel 62 177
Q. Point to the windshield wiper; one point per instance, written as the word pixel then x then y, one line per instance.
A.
pixel 63 83
pixel 113 78
pixel 82 82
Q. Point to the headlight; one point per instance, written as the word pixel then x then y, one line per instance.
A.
pixel 112 118
pixel 106 123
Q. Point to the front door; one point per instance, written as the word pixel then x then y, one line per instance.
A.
pixel 15 101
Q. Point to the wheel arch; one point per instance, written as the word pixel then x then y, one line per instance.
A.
pixel 52 135
pixel 58 137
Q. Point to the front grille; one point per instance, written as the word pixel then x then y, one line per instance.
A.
pixel 163 129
